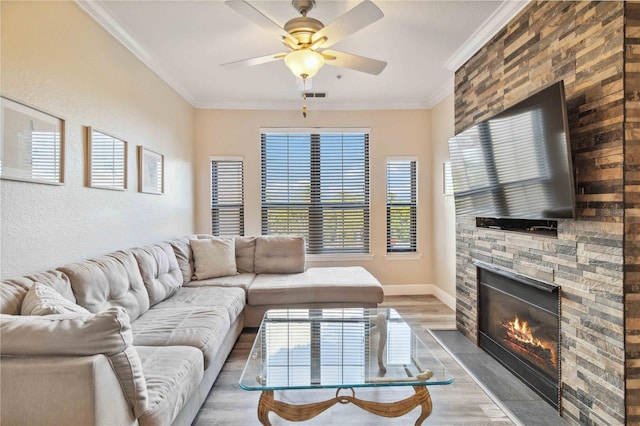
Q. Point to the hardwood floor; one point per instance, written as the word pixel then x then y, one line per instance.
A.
pixel 460 403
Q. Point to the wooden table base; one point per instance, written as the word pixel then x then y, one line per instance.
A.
pixel 298 413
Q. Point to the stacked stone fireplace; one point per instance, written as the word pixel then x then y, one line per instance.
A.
pixel 583 261
pixel 594 48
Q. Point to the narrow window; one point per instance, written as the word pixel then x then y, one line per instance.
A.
pixel 401 205
pixel 227 196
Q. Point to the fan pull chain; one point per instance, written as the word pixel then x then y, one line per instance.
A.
pixel 304 95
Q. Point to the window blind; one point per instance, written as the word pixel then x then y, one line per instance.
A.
pixel 317 186
pixel 108 161
pixel 227 197
pixel 401 206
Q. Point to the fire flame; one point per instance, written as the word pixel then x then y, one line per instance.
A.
pixel 521 332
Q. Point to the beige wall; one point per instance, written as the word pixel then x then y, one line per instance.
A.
pixel 393 133
pixel 443 214
pixel 55 57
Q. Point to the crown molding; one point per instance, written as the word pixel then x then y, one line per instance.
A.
pixel 113 27
pixel 443 92
pixel 494 23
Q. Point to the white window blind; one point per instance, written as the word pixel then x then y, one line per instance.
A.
pixel 107 161
pixel 317 186
pixel 227 197
pixel 401 205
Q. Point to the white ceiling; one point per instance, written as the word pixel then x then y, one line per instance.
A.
pixel 185 42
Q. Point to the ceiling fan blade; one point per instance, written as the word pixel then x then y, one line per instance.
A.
pixel 258 18
pixel 364 14
pixel 253 61
pixel 354 62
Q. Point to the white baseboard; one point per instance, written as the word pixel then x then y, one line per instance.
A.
pixel 420 289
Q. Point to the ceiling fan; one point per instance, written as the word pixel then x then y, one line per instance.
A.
pixel 308 39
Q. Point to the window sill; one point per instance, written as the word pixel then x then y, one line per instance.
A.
pixel 403 256
pixel 338 257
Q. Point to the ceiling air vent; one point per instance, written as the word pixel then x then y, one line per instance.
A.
pixel 314 95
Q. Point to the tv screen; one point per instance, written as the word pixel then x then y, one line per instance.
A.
pixel 516 164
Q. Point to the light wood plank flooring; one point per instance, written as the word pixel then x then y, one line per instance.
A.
pixel 461 403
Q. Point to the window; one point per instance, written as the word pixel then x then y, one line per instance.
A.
pixel 317 185
pixel 401 205
pixel 227 196
pixel 107 163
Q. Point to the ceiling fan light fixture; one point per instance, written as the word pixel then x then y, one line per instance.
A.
pixel 304 63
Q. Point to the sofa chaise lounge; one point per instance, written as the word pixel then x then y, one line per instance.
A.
pixel 139 336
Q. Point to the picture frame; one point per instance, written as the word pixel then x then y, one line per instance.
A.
pixel 447 179
pixel 31 144
pixel 106 160
pixel 150 171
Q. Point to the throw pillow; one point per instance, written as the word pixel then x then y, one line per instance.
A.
pixel 44 300
pixel 213 257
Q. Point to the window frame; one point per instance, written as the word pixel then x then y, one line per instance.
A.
pixel 413 205
pixel 315 248
pixel 240 206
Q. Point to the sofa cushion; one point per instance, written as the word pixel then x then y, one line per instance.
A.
pixel 201 328
pixel 326 284
pixel 241 281
pixel 279 255
pixel 107 333
pixel 213 257
pixel 44 300
pixel 110 280
pixel 184 256
pixel 13 291
pixel 160 272
pixel 245 253
pixel 173 374
pixel 232 299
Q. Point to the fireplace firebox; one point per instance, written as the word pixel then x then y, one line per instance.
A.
pixel 519 325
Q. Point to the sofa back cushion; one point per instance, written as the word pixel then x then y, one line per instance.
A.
pixel 184 256
pixel 279 255
pixel 160 271
pixel 108 333
pixel 110 280
pixel 245 254
pixel 13 291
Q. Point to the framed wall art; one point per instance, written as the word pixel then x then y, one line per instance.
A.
pixel 106 160
pixel 150 171
pixel 31 145
pixel 447 179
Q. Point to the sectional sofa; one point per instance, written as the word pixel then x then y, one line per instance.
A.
pixel 139 336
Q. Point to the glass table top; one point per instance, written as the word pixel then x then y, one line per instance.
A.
pixel 336 348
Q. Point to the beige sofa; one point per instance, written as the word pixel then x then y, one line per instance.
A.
pixel 131 338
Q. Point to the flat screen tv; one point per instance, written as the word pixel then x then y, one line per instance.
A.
pixel 516 164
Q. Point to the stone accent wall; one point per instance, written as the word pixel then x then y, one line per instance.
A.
pixel 582 43
pixel 632 209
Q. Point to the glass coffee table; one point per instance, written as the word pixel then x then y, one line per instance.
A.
pixel 344 349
